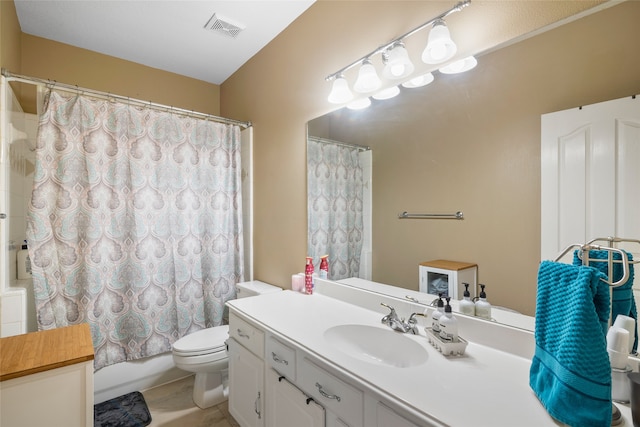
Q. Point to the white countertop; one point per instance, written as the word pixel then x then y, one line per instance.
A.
pixel 484 387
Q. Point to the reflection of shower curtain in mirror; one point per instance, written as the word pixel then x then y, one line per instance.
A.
pixel 135 223
pixel 334 207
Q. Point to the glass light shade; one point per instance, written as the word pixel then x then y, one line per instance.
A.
pixel 440 47
pixel 460 66
pixel 397 63
pixel 368 79
pixel 387 93
pixel 419 81
pixel 359 104
pixel 340 92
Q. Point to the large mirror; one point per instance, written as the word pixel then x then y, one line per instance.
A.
pixel 471 142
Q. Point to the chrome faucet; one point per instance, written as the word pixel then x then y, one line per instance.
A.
pixel 394 322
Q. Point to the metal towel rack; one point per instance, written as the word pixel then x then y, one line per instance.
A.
pixel 407 215
pixel 583 254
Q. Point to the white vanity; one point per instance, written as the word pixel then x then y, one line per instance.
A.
pixel 288 347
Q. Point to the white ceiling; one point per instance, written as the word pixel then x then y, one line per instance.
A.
pixel 164 34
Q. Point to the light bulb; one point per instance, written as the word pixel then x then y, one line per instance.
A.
pixel 397 63
pixel 460 66
pixel 340 92
pixel 359 104
pixel 419 81
pixel 387 93
pixel 440 47
pixel 368 79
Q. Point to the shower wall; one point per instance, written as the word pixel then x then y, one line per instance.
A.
pixel 17 307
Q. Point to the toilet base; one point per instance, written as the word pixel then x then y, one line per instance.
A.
pixel 210 389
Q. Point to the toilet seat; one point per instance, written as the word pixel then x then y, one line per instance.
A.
pixel 203 342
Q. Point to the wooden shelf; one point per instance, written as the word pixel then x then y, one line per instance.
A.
pixel 41 351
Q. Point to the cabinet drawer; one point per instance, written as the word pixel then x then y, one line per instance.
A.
pixel 334 394
pixel 281 358
pixel 246 334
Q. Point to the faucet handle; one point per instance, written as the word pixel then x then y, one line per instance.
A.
pixel 393 310
pixel 412 319
pixel 388 306
pixel 413 323
pixel 392 315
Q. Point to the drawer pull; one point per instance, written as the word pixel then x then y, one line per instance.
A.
pixel 278 360
pixel 242 334
pixel 327 395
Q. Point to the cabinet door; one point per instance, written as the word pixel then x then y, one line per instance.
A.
pixel 286 406
pixel 246 381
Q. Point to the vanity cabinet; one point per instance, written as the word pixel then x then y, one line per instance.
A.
pixel 274 383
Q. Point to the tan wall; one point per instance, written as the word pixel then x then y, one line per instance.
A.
pixel 482 141
pixel 10 40
pixel 60 62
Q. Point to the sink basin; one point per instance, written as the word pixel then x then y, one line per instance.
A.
pixel 376 345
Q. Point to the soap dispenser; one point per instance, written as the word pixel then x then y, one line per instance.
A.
pixel 467 306
pixel 483 307
pixel 23 262
pixel 437 313
pixel 448 325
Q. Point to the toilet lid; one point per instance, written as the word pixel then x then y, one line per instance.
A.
pixel 204 339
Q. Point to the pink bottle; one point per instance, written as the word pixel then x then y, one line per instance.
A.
pixel 308 276
pixel 324 267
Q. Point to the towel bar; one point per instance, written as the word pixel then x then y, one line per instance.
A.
pixel 407 215
pixel 587 247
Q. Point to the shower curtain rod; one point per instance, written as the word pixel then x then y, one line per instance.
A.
pixel 106 95
pixel 344 144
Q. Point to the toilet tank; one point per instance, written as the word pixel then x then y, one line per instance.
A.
pixel 253 288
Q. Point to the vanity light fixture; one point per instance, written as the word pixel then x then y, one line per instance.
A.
pixel 460 66
pixel 340 92
pixel 440 47
pixel 368 80
pixel 419 81
pixel 397 64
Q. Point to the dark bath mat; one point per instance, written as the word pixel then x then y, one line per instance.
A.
pixel 129 410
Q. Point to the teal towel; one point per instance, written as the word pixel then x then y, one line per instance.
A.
pixel 570 371
pixel 623 301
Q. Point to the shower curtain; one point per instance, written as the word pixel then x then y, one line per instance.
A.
pixel 135 223
pixel 334 207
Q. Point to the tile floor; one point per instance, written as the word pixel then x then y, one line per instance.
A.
pixel 171 405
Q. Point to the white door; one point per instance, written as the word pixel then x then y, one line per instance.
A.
pixel 590 174
pixel 286 406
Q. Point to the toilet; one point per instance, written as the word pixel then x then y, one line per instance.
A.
pixel 204 352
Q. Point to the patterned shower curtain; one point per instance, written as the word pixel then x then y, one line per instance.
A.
pixel 135 223
pixel 334 207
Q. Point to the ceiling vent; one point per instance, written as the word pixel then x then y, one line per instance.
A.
pixel 224 26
